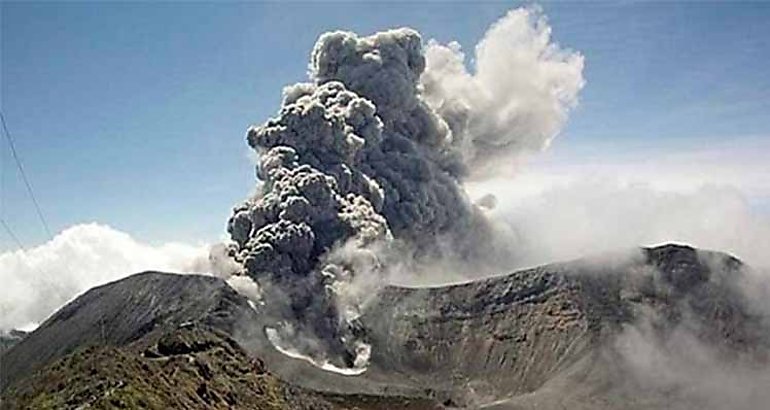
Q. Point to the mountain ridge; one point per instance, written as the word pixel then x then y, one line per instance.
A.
pixel 501 339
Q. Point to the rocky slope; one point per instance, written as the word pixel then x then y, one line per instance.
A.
pixel 157 340
pixel 553 336
pixel 513 338
pixel 509 335
pixel 188 367
pixel 123 312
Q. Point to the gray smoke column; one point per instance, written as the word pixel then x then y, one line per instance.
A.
pixel 356 168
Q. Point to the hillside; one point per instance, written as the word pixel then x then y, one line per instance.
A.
pixel 560 335
pixel 190 367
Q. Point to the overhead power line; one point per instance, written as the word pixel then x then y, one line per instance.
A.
pixel 5 225
pixel 13 236
pixel 16 159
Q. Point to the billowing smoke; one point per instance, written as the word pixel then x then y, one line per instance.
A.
pixel 519 96
pixel 364 164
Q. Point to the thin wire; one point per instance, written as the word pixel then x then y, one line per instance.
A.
pixel 12 235
pixel 24 175
pixel 5 225
pixel 3 162
pixel 23 250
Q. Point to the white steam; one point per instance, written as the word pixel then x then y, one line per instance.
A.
pixel 363 352
pixel 519 94
pixel 37 282
pixel 694 373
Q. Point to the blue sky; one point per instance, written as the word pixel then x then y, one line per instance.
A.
pixel 134 115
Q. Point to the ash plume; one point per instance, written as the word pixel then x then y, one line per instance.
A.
pixel 363 167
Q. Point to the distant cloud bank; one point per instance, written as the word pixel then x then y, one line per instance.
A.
pixel 711 196
pixel 42 279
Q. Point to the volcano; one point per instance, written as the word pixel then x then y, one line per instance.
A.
pixel 565 334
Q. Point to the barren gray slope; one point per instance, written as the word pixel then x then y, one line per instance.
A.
pixel 123 311
pixel 510 335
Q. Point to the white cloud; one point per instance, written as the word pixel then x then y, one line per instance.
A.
pixel 709 197
pixel 37 282
pixel 677 165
